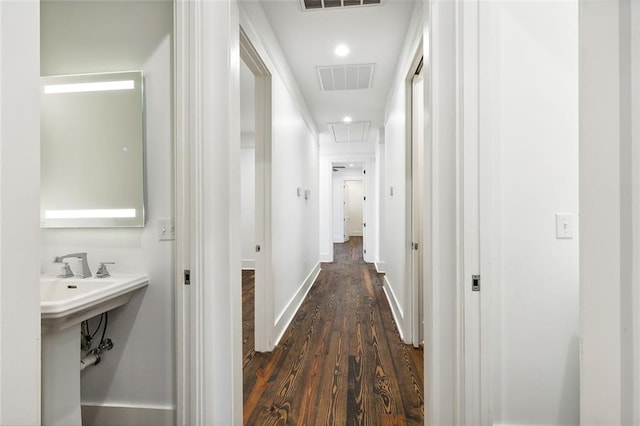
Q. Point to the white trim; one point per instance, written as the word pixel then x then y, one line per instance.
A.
pixel 124 415
pixel 396 311
pixel 207 168
pixel 379 267
pixel 289 312
pixel 472 327
pixel 490 218
pixel 182 211
pixel 248 264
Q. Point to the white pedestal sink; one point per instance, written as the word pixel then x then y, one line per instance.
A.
pixel 65 303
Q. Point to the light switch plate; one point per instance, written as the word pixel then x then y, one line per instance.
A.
pixel 166 230
pixel 564 226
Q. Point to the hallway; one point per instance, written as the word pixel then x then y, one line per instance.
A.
pixel 341 361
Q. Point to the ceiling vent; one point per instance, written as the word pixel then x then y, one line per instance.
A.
pixel 357 131
pixel 333 4
pixel 346 77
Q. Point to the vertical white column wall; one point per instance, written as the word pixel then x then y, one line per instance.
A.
pixel 19 217
pixel 609 165
pixel 529 72
pixel 635 143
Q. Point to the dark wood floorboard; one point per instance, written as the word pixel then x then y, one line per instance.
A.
pixel 341 361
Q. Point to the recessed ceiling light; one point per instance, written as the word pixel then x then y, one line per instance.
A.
pixel 351 165
pixel 347 119
pixel 341 50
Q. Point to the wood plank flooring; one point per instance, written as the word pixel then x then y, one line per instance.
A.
pixel 341 361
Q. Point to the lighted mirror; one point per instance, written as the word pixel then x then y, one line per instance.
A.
pixel 92 146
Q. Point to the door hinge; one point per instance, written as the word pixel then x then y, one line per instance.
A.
pixel 475 282
pixel 364 224
pixel 364 172
pixel 187 277
pixel 365 198
pixel 258 248
pixel 365 251
pixel 414 246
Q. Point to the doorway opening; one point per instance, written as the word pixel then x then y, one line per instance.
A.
pixel 349 211
pixel 256 141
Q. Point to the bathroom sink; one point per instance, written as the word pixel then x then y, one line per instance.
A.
pixel 65 302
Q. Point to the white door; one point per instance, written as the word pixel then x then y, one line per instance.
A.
pixel 345 212
pixel 417 208
pixel 355 206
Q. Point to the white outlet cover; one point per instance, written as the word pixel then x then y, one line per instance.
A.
pixel 166 230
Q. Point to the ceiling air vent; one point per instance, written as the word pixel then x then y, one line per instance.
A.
pixel 357 131
pixel 332 4
pixel 346 77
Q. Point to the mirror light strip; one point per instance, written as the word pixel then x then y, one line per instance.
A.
pixel 99 86
pixel 90 214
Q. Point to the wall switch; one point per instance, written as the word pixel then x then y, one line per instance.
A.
pixel 166 230
pixel 564 225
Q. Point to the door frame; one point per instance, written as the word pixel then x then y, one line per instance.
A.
pixel 264 311
pixel 209 381
pixel 457 178
pixel 415 202
pixel 326 208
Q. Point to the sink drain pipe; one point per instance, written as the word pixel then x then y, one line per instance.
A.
pixel 95 355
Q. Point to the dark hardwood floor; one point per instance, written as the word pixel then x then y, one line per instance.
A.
pixel 341 361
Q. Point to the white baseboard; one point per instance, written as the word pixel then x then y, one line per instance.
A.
pixel 397 313
pixel 326 257
pixel 285 318
pixel 338 240
pixel 379 266
pixel 111 415
pixel 355 234
pixel 248 264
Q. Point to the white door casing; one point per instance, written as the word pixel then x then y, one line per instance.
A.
pixel 417 206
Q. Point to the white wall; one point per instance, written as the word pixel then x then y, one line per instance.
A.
pixel 294 164
pixel 19 222
pixel 532 84
pixel 108 36
pixel 248 205
pixel 295 220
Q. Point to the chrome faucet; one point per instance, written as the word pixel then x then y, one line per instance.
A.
pixel 86 272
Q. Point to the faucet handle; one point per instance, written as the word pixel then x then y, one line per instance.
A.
pixel 102 270
pixel 65 271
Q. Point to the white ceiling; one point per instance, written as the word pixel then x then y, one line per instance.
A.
pixel 374 35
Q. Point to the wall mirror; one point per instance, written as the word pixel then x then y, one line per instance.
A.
pixel 92 150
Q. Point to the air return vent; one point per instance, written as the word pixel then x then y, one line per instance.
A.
pixel 333 4
pixel 346 77
pixel 357 131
